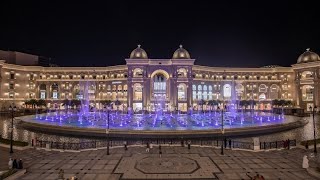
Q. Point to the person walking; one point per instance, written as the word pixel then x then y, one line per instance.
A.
pixel 148 148
pixel 10 164
pixel 20 164
pixel 14 164
pixel 125 145
pixel 151 145
pixel 189 144
pixel 305 162
pixel 160 153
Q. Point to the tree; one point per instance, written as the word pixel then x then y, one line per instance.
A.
pixel 275 102
pixel 106 102
pixel 75 102
pixel 288 103
pixel 33 103
pixel 243 103
pixel 66 103
pixel 201 103
pixel 41 103
pixel 27 103
pixel 213 103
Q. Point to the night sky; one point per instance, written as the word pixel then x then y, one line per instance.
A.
pixel 231 34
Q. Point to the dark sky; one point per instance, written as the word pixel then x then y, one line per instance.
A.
pixel 235 34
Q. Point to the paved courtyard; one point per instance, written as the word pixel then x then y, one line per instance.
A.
pixel 175 163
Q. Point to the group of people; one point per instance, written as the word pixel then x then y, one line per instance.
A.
pixel 14 164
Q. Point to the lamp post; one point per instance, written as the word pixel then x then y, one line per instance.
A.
pixel 314 128
pixel 12 109
pixel 222 130
pixel 108 133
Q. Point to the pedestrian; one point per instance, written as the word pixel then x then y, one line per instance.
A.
pixel 307 145
pixel 20 164
pixel 14 164
pixel 61 174
pixel 160 153
pixel 10 164
pixel 151 145
pixel 288 143
pixel 147 149
pixel 305 162
pixel 189 144
pixel 230 143
pixel 125 145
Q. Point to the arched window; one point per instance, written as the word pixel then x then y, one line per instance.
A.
pixel 109 87
pixel 114 87
pixel 55 89
pixel 119 87
pixel 307 93
pixel 262 96
pixel 263 88
pixel 205 92
pixel 274 91
pixel 182 91
pixel 137 72
pixel 306 75
pixel 137 91
pixel 42 89
pixel 199 92
pixel 182 72
pixel 210 92
pixel 239 91
pixel 227 90
pixel 125 87
pixel 194 92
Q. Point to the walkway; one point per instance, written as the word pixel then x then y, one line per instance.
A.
pixel 175 163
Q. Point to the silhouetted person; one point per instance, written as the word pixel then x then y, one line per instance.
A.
pixel 10 163
pixel 14 164
pixel 20 164
pixel 307 145
pixel 189 144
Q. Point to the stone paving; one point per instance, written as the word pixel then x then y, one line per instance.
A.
pixel 175 163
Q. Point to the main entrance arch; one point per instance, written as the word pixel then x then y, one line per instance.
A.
pixel 159 90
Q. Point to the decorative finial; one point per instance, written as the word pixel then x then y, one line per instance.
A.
pixel 180 45
pixel 308 49
pixel 139 45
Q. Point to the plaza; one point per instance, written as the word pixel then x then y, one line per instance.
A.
pixel 175 163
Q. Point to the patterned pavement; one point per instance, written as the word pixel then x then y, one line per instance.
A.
pixel 175 163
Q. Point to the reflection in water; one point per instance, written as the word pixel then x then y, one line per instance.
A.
pixel 303 133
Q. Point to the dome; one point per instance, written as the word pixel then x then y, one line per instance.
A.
pixel 138 53
pixel 181 53
pixel 308 56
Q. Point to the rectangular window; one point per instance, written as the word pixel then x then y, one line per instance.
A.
pixel 42 95
pixel 11 95
pixel 11 86
pixel 55 95
pixel 11 75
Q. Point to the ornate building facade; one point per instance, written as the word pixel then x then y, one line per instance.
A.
pixel 174 83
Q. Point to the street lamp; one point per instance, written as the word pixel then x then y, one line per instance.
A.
pixel 222 130
pixel 314 109
pixel 12 109
pixel 108 133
